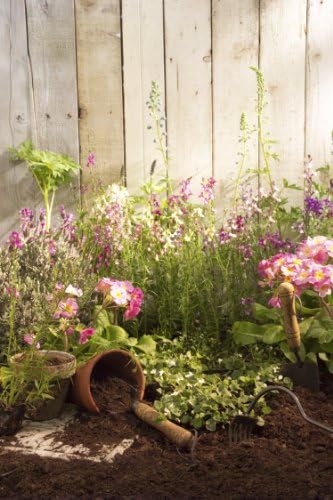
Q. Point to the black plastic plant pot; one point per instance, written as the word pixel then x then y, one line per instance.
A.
pixel 11 420
pixel 47 409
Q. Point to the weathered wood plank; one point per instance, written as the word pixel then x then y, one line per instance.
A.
pixel 143 51
pixel 282 60
pixel 319 82
pixel 15 181
pixel 51 38
pixel 100 86
pixel 235 39
pixel 188 88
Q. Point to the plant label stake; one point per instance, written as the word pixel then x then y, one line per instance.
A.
pixel 303 374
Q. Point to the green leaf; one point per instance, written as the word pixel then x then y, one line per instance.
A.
pixel 312 357
pixel 116 333
pixel 327 347
pixel 246 333
pixel 273 334
pixel 103 318
pixel 146 344
pixel 210 425
pixel 264 314
pixel 305 326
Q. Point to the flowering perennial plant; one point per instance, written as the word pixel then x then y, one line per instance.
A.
pixel 311 267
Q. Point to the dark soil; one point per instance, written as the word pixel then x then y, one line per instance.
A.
pixel 291 459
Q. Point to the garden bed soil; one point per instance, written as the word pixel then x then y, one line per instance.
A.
pixel 290 459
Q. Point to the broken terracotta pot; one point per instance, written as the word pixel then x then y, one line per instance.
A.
pixel 114 363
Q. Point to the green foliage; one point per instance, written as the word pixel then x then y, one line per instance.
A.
pixel 50 171
pixel 190 392
pixel 316 333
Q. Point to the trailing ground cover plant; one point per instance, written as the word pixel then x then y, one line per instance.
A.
pixel 206 391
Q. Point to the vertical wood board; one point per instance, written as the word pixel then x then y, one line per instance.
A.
pixel 319 82
pixel 188 89
pixel 282 60
pixel 143 52
pixel 51 39
pixel 235 48
pixel 98 30
pixel 16 186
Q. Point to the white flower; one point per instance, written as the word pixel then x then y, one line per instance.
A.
pixel 71 290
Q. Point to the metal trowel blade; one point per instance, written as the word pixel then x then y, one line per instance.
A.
pixel 306 375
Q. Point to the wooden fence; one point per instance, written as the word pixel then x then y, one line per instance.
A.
pixel 76 74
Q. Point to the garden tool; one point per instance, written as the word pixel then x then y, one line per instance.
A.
pixel 243 426
pixel 303 374
pixel 182 438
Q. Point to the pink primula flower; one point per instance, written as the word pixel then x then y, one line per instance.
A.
pixel 104 285
pixel 132 311
pixel 66 309
pixel 119 294
pixel 274 302
pixel 85 334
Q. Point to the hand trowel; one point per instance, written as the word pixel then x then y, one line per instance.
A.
pixel 301 373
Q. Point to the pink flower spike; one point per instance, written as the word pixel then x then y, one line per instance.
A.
pixel 85 334
pixel 29 338
pixel 91 160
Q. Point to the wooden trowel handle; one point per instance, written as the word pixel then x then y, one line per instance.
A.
pixel 179 436
pixel 287 299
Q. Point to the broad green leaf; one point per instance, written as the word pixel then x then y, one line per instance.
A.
pixel 146 344
pixel 246 333
pixel 273 334
pixel 116 333
pixel 290 355
pixel 264 314
pixel 103 318
pixel 327 347
pixel 312 357
pixel 305 325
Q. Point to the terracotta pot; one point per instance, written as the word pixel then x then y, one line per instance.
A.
pixel 116 363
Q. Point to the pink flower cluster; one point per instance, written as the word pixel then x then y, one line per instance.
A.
pixel 311 267
pixel 123 294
